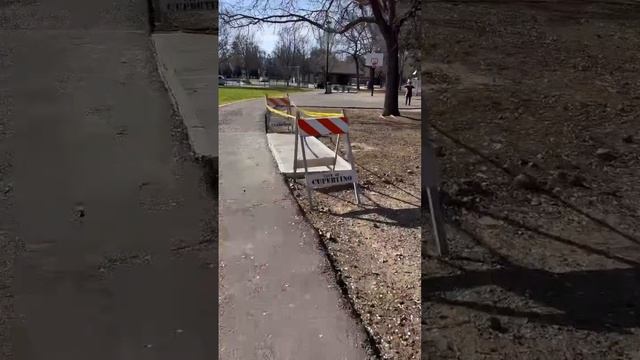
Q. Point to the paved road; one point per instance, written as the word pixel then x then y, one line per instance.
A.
pixel 103 191
pixel 278 299
pixel 345 100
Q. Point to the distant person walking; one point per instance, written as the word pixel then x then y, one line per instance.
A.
pixel 407 98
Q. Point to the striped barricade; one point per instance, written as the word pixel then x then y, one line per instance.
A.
pixel 280 106
pixel 334 125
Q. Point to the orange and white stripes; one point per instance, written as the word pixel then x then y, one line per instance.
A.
pixel 278 102
pixel 323 126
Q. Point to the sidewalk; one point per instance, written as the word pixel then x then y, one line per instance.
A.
pixel 278 297
pixel 113 233
pixel 188 66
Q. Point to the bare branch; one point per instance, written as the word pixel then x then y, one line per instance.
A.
pixel 244 20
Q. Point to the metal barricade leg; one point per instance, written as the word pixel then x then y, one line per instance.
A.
pixel 335 157
pixel 295 154
pixel 356 189
pixel 306 170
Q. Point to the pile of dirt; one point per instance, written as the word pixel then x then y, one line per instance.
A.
pixel 375 247
pixel 540 156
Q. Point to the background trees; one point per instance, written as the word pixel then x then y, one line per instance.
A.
pixel 337 17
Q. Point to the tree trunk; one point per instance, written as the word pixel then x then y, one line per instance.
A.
pixel 392 82
pixel 355 59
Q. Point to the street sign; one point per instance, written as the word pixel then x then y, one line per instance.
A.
pixel 374 59
pixel 331 178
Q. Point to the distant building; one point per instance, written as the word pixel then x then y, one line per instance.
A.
pixel 342 73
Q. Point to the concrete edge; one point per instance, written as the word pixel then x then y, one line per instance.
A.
pixel 239 101
pixel 183 106
pixel 372 345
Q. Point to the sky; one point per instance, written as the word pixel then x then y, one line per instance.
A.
pixel 267 36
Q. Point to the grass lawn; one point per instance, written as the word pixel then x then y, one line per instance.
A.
pixel 229 94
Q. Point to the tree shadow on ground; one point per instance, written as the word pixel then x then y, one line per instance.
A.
pixel 403 217
pixel 605 300
pixel 406 218
pixel 595 300
pixel 390 183
pixel 538 189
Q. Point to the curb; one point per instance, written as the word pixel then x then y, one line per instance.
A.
pixel 372 345
pixel 182 105
pixel 355 107
pixel 237 102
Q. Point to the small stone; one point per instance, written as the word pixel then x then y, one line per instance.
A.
pixel 578 181
pixel 560 177
pixel 470 187
pixel 535 201
pixel 605 154
pixel 80 211
pixel 496 325
pixel 524 181
pixel 439 151
pixel 410 172
pixel 489 221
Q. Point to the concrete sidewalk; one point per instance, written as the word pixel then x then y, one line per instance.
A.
pixel 188 65
pixel 112 224
pixel 278 297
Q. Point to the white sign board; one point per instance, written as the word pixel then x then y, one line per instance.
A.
pixel 374 59
pixel 332 178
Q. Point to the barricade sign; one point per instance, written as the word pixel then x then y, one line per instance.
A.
pixel 327 125
pixel 329 179
pixel 284 120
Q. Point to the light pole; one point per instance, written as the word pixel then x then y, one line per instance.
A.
pixel 326 68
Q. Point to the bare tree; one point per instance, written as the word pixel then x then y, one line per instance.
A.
pixel 409 46
pixel 244 54
pixel 335 16
pixel 356 42
pixel 290 51
pixel 224 40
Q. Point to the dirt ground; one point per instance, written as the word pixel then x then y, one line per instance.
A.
pixel 8 245
pixel 375 248
pixel 534 112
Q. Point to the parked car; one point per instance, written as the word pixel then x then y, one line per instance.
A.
pixel 263 79
pixel 221 80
